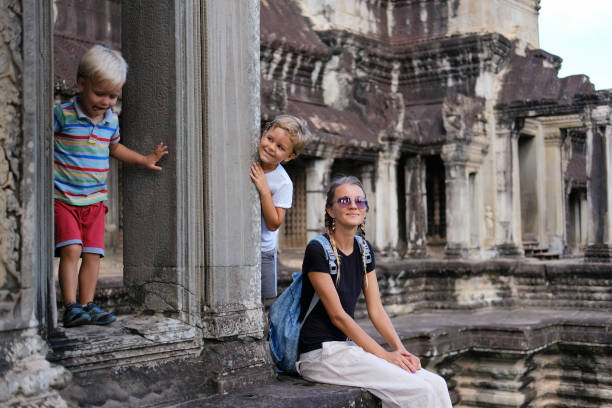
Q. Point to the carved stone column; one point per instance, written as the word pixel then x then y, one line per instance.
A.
pixel 163 212
pixel 192 231
pixel 462 155
pixel 416 206
pixel 231 103
pixel 457 198
pixel 599 192
pixel 508 213
pixel 387 231
pixel 317 179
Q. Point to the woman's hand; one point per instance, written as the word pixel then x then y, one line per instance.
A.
pixel 403 359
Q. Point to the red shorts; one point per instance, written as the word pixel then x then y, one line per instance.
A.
pixel 82 225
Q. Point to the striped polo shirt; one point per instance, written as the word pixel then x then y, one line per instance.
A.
pixel 81 154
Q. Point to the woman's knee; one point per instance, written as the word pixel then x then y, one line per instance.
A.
pixel 439 382
pixel 439 388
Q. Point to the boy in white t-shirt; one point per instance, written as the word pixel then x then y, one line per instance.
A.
pixel 282 140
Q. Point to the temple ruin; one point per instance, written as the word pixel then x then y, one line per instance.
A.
pixel 488 178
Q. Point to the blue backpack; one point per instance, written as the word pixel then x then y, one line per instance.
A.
pixel 285 311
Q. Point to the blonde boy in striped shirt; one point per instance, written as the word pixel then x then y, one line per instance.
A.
pixel 86 132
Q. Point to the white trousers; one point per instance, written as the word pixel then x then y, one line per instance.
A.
pixel 345 363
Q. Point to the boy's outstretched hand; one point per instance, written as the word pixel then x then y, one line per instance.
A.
pixel 151 160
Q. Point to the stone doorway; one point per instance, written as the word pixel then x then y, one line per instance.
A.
pixel 576 225
pixel 435 184
pixel 78 25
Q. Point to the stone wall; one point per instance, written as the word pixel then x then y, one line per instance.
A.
pixel 12 282
pixel 26 303
pixel 411 21
pixel 412 286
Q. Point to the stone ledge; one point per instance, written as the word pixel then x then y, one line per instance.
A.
pixel 431 334
pixel 144 360
pixel 287 391
pixel 130 340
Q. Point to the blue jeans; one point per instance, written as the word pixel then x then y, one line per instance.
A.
pixel 268 274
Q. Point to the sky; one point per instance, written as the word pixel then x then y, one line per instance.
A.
pixel 580 32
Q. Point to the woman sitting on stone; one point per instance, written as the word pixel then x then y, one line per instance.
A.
pixel 326 353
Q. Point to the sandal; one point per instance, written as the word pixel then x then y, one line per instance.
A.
pixel 74 315
pixel 97 315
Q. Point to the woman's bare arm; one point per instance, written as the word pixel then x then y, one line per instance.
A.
pixel 324 286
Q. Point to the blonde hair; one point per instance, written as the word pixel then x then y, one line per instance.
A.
pixel 329 222
pixel 102 64
pixel 297 128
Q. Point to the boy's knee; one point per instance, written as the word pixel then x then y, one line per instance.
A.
pixel 91 256
pixel 72 252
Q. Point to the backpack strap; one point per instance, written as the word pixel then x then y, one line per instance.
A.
pixel 331 257
pixel 333 269
pixel 329 254
pixel 313 303
pixel 367 249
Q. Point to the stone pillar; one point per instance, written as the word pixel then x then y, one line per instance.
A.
pixel 192 232
pixel 232 208
pixel 27 291
pixel 163 212
pixel 554 215
pixel 317 179
pixel 416 206
pixel 508 216
pixel 466 145
pixel 457 198
pixel 599 194
pixel 368 174
pixel 387 231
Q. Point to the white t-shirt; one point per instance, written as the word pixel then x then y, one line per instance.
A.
pixel 281 188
